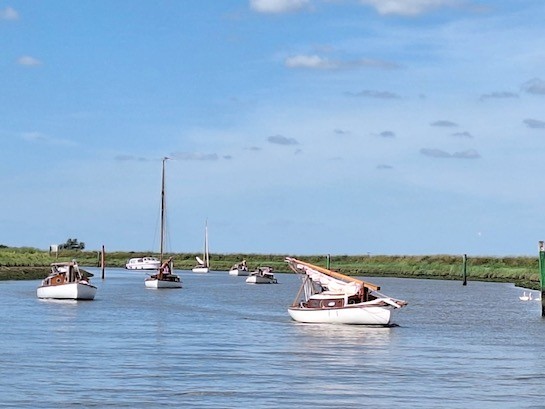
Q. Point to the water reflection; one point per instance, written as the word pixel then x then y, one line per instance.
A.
pixel 346 334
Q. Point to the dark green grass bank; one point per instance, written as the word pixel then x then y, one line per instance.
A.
pixel 30 263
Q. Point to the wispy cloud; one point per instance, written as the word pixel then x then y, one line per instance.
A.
pixel 374 94
pixel 193 156
pixel 339 131
pixel 534 86
pixel 282 140
pixel 9 13
pixel 534 123
pixel 444 124
pixel 317 62
pixel 278 6
pixel 28 61
pixel 387 134
pixel 441 154
pixel 384 167
pixel 408 7
pixel 38 137
pixel 498 95
pixel 464 134
pixel 128 158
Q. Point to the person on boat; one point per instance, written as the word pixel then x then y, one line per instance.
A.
pixel 165 267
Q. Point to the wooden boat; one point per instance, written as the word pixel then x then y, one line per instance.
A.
pixel 66 282
pixel 164 278
pixel 240 269
pixel 203 265
pixel 143 263
pixel 327 296
pixel 263 275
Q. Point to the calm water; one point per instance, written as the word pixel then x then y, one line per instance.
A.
pixel 221 343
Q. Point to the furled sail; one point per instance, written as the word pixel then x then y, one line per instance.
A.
pixel 330 281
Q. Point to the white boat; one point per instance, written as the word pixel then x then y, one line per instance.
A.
pixel 263 275
pixel 66 282
pixel 330 297
pixel 240 269
pixel 143 263
pixel 203 265
pixel 164 277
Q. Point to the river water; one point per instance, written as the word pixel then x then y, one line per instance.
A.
pixel 222 343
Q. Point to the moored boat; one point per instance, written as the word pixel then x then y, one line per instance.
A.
pixel 66 282
pixel 165 277
pixel 203 265
pixel 327 296
pixel 143 263
pixel 240 269
pixel 263 275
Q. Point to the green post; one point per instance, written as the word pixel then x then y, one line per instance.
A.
pixel 465 270
pixel 328 262
pixel 542 275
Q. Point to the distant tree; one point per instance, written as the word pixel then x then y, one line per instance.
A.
pixel 72 244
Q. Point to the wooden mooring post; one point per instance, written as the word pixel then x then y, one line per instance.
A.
pixel 465 270
pixel 102 261
pixel 542 275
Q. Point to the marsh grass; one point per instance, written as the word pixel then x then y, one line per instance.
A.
pixel 31 263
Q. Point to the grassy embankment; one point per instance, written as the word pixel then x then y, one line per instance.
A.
pixel 29 263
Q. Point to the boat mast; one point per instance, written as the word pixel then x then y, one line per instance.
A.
pixel 206 254
pixel 162 209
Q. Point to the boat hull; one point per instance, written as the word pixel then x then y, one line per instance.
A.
pixel 355 315
pixel 260 280
pixel 239 272
pixel 155 283
pixel 143 264
pixel 69 291
pixel 200 270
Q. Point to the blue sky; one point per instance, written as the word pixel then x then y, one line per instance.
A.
pixel 294 126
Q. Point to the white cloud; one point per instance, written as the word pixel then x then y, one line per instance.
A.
pixel 310 61
pixel 407 7
pixel 9 14
pixel 278 6
pixel 28 61
pixel 316 62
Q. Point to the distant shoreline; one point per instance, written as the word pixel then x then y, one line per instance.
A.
pixel 32 264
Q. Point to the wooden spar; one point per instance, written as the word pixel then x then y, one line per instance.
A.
pixel 102 260
pixel 298 296
pixel 334 274
pixel 464 270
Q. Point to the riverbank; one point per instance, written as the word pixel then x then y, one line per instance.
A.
pixel 31 264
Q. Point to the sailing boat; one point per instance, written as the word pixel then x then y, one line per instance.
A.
pixel 331 297
pixel 66 281
pixel 164 278
pixel 204 262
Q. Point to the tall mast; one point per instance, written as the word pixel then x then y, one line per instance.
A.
pixel 163 208
pixel 206 255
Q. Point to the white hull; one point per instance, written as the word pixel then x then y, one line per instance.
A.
pixel 145 263
pixel 70 291
pixel 149 266
pixel 239 272
pixel 155 283
pixel 358 315
pixel 201 270
pixel 260 280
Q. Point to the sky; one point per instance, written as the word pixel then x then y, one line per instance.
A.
pixel 293 127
